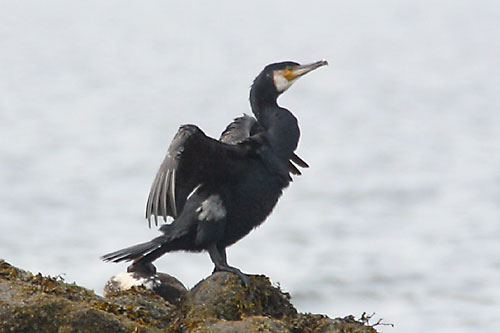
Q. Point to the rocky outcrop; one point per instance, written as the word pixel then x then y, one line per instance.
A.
pixel 220 303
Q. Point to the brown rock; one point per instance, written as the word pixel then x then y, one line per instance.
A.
pixel 220 303
pixel 165 285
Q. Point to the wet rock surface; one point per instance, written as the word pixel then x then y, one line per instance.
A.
pixel 219 303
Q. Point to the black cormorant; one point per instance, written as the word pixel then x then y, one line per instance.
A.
pixel 217 191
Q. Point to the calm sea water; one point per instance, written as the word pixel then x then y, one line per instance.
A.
pixel 399 213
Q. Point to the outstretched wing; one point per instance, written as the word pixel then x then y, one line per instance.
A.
pixel 243 127
pixel 240 129
pixel 192 159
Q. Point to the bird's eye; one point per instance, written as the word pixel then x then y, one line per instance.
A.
pixel 289 68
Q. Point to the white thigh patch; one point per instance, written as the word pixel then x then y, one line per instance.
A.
pixel 211 209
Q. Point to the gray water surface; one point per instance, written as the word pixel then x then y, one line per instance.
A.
pixel 399 213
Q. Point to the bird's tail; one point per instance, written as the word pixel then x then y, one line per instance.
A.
pixel 148 251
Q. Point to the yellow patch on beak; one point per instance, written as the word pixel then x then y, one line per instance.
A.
pixel 289 74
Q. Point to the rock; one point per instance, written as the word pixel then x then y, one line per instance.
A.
pixel 34 303
pixel 165 285
pixel 219 303
pixel 222 296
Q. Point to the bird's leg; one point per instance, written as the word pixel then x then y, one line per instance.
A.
pixel 223 257
pixel 218 256
pixel 222 252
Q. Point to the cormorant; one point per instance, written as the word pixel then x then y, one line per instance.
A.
pixel 217 191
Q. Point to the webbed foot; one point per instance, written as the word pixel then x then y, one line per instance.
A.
pixel 244 278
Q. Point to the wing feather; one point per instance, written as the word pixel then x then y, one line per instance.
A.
pixel 300 162
pixel 192 159
pixel 163 198
pixel 293 169
pixel 239 129
pixel 149 205
pixel 172 193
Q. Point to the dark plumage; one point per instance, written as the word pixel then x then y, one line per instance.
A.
pixel 217 191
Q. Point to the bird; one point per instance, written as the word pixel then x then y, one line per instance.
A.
pixel 217 191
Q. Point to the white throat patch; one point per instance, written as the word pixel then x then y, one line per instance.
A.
pixel 281 82
pixel 211 209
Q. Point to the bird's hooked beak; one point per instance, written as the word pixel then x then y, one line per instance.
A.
pixel 297 71
pixel 284 78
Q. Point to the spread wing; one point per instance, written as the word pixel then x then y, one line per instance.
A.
pixel 240 129
pixel 243 127
pixel 192 159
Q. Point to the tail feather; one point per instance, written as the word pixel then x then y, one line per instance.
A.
pixel 150 251
pixel 133 252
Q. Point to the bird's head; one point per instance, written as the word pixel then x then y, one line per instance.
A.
pixel 284 74
pixel 277 78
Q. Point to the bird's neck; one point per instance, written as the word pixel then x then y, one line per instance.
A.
pixel 280 125
pixel 261 100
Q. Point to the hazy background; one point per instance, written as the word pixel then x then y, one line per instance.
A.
pixel 399 213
